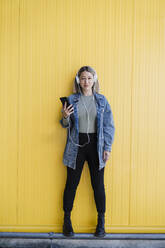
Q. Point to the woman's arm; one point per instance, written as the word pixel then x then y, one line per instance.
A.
pixel 66 112
pixel 65 122
pixel 108 127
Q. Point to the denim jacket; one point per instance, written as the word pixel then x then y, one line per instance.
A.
pixel 105 130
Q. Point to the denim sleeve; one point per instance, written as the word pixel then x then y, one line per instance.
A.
pixel 108 127
pixel 65 122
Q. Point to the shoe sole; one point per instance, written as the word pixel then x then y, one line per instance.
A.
pixel 68 235
pixel 100 236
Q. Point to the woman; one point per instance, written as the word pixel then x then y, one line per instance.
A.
pixel 90 125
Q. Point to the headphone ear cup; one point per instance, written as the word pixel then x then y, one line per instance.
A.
pixel 95 77
pixel 77 79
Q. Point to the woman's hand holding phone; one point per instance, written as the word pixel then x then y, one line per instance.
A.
pixel 67 111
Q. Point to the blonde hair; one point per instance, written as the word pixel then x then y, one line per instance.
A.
pixel 95 87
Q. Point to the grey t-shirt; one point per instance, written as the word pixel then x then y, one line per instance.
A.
pixel 90 104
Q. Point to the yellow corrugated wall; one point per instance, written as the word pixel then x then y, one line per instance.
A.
pixel 42 45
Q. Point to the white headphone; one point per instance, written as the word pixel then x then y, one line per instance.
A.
pixel 78 80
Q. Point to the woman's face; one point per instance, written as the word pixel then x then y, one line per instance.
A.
pixel 86 81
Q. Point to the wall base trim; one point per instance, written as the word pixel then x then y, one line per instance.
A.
pixel 52 235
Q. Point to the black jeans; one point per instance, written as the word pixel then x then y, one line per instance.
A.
pixel 90 154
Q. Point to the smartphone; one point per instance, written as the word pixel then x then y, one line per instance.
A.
pixel 63 100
